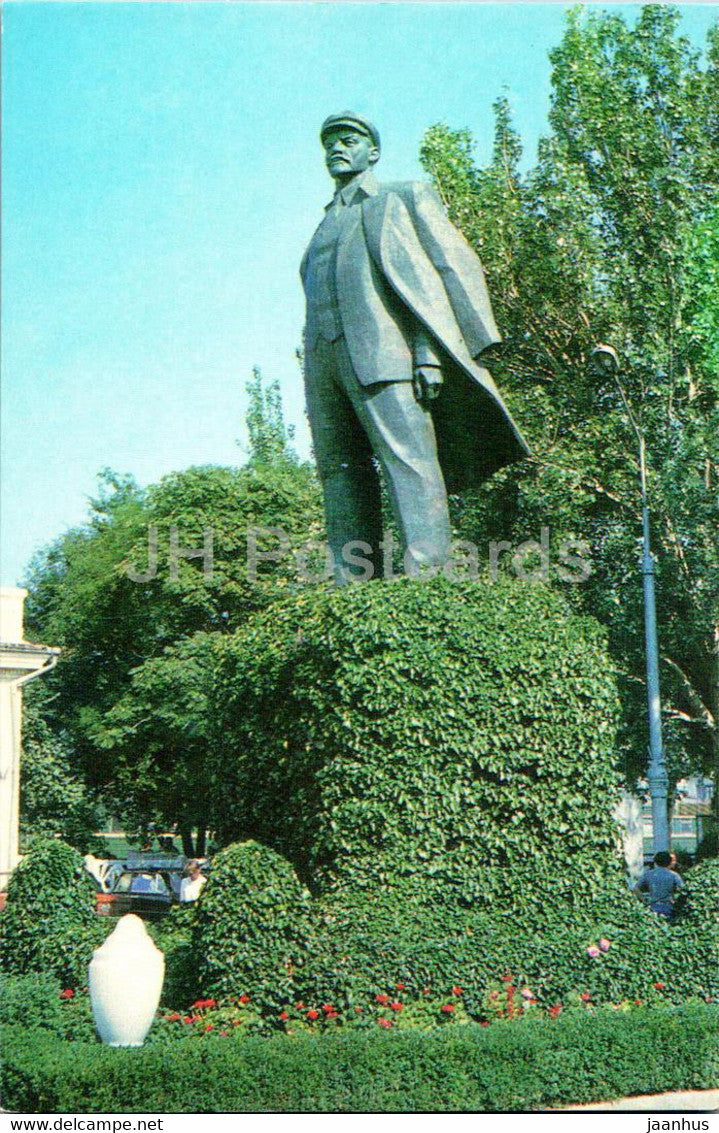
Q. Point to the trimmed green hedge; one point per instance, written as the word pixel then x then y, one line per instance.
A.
pixel 261 938
pixel 503 1068
pixel 372 941
pixel 451 733
pixel 49 923
pixel 252 927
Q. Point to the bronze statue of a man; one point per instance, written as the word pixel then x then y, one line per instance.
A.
pixel 398 317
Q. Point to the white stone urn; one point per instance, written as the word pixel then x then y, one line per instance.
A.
pixel 125 980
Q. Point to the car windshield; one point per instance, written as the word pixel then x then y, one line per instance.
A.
pixel 149 883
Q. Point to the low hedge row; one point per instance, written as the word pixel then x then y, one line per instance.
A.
pixel 507 1067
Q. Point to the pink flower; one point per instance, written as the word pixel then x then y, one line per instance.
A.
pixel 385 1023
pixel 604 944
pixel 593 951
pixel 527 993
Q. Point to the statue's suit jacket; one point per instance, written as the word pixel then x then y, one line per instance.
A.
pixel 406 243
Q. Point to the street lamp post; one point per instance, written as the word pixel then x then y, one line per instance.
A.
pixel 606 359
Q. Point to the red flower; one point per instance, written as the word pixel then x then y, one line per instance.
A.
pixel 174 1017
pixel 327 1008
pixel 300 1005
pixel 68 993
pixel 397 1006
pixel 456 991
pixel 659 985
pixel 426 991
pixel 638 1002
pixel 385 1023
pixel 381 999
pixel 224 1034
pixel 399 987
pixel 244 999
pixel 484 1023
pixel 585 997
pixel 506 979
pixel 236 1022
pixel 284 1015
pixel 205 1003
pixel 209 1027
pixel 359 1010
pixel 555 1010
pixel 312 1014
pixel 448 1008
pixel 187 1019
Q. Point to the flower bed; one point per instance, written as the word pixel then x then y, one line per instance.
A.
pixel 582 1055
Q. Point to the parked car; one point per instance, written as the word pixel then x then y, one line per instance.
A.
pixel 147 892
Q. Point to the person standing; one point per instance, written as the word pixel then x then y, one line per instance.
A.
pixel 661 885
pixel 193 884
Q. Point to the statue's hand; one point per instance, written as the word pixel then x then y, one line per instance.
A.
pixel 426 383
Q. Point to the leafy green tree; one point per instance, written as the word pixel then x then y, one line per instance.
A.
pixel 270 438
pixel 608 238
pixel 53 801
pixel 195 553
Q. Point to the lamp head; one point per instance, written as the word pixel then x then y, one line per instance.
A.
pixel 605 359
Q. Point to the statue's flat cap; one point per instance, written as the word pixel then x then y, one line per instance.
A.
pixel 354 121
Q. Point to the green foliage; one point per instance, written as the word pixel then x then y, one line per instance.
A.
pixel 537 1063
pixel 53 801
pixel 454 733
pixel 252 927
pixel 173 936
pixel 114 595
pixel 611 237
pixel 269 436
pixel 40 1001
pixel 31 1001
pixel 375 941
pixel 49 923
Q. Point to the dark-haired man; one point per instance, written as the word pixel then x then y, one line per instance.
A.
pixel 661 884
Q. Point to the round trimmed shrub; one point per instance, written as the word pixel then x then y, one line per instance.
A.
pixel 461 733
pixel 49 922
pixel 252 930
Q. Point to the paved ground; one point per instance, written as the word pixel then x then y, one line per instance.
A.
pixel 690 1101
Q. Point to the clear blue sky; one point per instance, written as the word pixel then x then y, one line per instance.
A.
pixel 162 176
